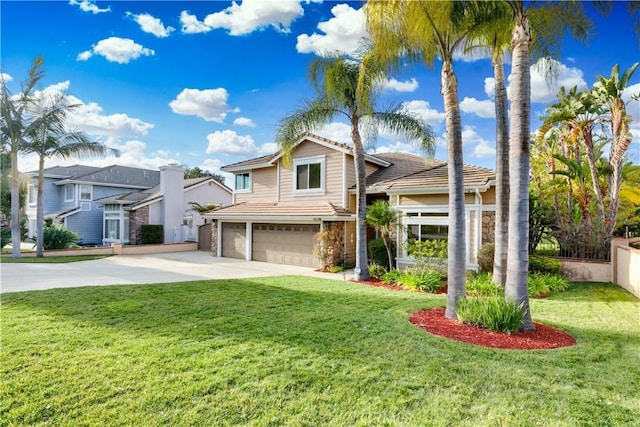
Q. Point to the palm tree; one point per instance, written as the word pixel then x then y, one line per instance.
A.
pixel 608 91
pixel 48 138
pixel 14 126
pixel 336 81
pixel 383 218
pixel 543 26
pixel 429 30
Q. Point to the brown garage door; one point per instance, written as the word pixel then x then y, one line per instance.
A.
pixel 234 244
pixel 284 244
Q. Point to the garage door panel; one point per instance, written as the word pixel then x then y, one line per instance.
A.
pixel 234 241
pixel 284 244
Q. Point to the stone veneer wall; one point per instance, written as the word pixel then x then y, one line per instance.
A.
pixel 488 227
pixel 137 219
pixel 214 238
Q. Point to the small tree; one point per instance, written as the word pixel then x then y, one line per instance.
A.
pixel 383 218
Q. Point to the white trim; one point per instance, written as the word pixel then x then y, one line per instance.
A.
pixel 301 161
pixel 249 241
pixel 34 188
pixel 278 182
pixel 243 190
pixel 90 192
pixel 434 190
pixel 219 239
pixel 73 191
pixel 345 192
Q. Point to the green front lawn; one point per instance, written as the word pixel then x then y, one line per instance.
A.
pixel 303 351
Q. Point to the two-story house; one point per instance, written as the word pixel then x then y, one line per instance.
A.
pixel 278 208
pixel 109 204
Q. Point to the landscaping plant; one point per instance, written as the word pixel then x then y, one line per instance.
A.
pixel 493 313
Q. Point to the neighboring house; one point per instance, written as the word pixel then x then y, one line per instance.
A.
pixel 278 208
pixel 108 205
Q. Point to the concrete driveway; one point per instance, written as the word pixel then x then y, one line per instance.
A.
pixel 139 269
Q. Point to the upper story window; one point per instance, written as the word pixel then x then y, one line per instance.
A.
pixel 32 195
pixel 309 175
pixel 243 182
pixel 85 192
pixel 69 192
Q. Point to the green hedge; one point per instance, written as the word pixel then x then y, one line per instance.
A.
pixel 151 234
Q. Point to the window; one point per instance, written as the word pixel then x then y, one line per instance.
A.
pixel 309 175
pixel 85 192
pixel 427 232
pixel 116 224
pixel 243 181
pixel 424 226
pixel 69 192
pixel 32 195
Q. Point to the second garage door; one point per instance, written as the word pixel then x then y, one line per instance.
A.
pixel 233 239
pixel 284 244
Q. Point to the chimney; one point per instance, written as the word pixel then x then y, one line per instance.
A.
pixel 172 190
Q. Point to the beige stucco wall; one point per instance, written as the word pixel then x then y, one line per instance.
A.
pixel 626 265
pixel 333 175
pixel 263 186
pixel 586 271
pixel 432 199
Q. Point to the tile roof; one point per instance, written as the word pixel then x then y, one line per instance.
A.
pixel 402 164
pixel 269 209
pixel 437 178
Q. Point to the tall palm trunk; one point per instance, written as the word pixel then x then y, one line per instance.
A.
pixel 456 234
pixel 15 205
pixel 361 271
pixel 619 146
pixel 587 136
pixel 40 210
pixel 502 173
pixel 518 261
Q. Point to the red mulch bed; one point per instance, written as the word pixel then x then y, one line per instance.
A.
pixel 434 322
pixel 543 337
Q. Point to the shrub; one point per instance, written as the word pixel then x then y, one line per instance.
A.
pixel 542 284
pixel 418 279
pixel 151 234
pixel 391 277
pixel 378 253
pixel 482 285
pixel 493 313
pixel 5 237
pixel 376 270
pixel 423 250
pixel 544 264
pixel 56 237
pixel 485 257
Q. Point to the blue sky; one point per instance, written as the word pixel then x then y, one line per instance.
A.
pixel 204 83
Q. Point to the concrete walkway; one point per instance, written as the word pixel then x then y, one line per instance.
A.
pixel 140 269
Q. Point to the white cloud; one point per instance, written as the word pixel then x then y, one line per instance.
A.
pixel 88 117
pixel 335 131
pixel 429 115
pixel 484 109
pixel 483 149
pixel 630 91
pixel 469 135
pixel 151 25
pixel 473 55
pixel 244 121
pixel 268 148
pixel 116 49
pixel 251 15
pixel 398 146
pixel 83 56
pixel 342 33
pixel 490 87
pixel 544 89
pixel 209 104
pixel 133 153
pixel 406 86
pixel 191 25
pixel 229 142
pixel 6 77
pixel 88 6
pixel 213 166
